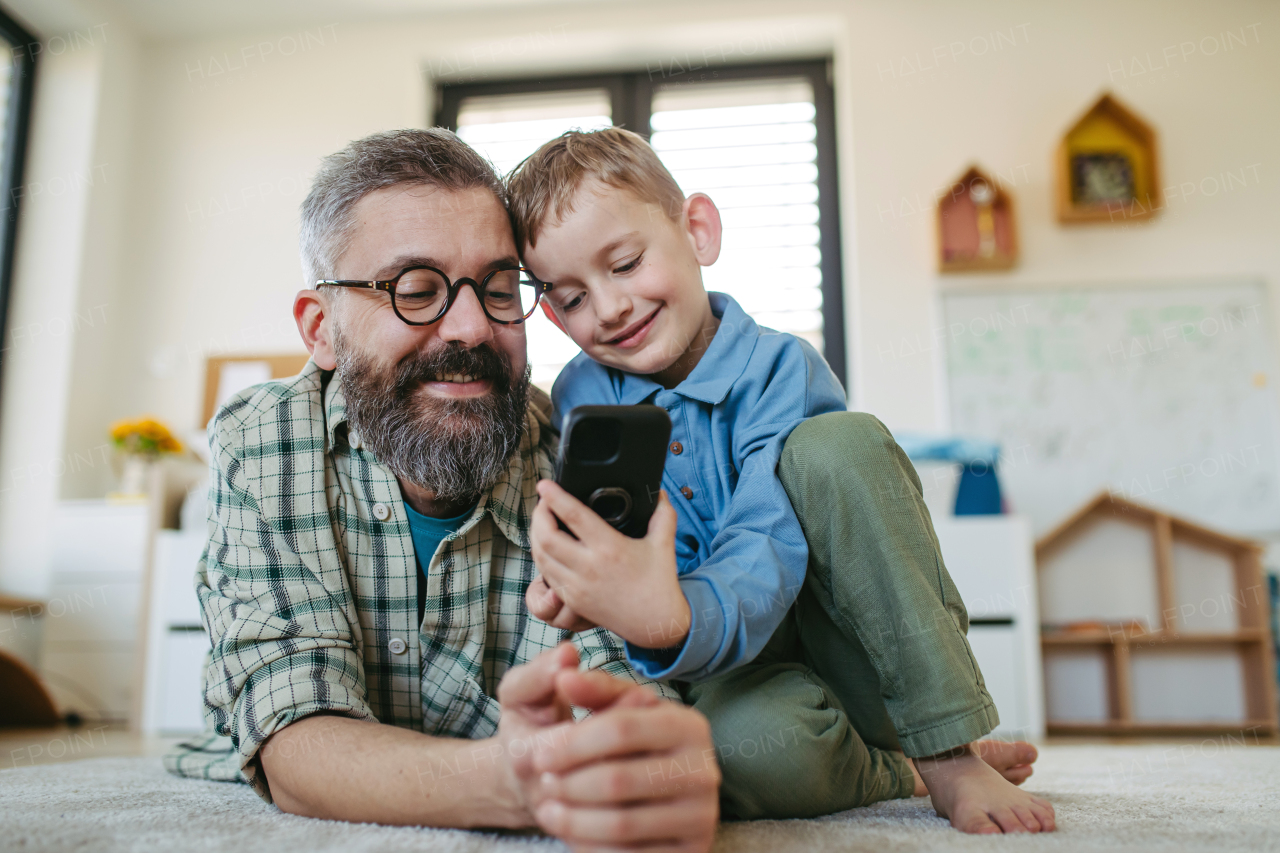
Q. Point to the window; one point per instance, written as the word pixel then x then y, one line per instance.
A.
pixel 17 76
pixel 759 140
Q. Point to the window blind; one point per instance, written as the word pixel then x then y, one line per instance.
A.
pixel 508 128
pixel 750 147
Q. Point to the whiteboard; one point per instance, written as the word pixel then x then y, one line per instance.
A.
pixel 1164 395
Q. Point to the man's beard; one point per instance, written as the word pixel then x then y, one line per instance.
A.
pixel 454 448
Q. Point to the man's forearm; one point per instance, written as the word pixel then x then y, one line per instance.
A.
pixel 343 769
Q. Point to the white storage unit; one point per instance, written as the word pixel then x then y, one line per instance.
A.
pixel 89 654
pixel 172 699
pixel 991 558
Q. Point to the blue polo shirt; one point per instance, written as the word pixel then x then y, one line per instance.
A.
pixel 740 552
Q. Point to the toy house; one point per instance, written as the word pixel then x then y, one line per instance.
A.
pixel 1151 624
pixel 976 228
pixel 1107 167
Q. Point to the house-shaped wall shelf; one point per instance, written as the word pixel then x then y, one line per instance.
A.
pixel 1108 167
pixel 1153 625
pixel 976 227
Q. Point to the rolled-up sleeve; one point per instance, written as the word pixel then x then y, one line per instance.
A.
pixel 282 646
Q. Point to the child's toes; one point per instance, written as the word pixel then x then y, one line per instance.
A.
pixel 975 822
pixel 1028 818
pixel 1044 813
pixel 1007 820
pixel 1018 775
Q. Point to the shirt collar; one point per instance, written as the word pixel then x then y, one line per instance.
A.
pixel 720 366
pixel 335 409
pixel 512 499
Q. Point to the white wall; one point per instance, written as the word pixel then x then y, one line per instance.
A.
pixel 217 138
pixel 914 133
pixel 57 305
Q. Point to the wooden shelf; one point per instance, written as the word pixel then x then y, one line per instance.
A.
pixel 976 227
pixel 10 603
pixel 1120 645
pixel 1262 728
pixel 1153 638
pixel 1108 167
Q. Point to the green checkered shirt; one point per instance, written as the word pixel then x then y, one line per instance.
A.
pixel 308 585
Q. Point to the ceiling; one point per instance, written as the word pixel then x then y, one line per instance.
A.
pixel 180 19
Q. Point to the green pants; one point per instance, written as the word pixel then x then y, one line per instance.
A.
pixel 870 663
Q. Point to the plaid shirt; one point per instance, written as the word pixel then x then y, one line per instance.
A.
pixel 308 585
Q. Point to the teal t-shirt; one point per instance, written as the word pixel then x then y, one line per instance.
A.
pixel 427 534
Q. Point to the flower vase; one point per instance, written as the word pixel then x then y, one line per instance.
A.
pixel 135 476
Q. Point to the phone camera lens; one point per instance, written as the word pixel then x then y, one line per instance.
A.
pixel 596 440
pixel 612 504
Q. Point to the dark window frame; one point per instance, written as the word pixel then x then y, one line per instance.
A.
pixel 631 99
pixel 24 48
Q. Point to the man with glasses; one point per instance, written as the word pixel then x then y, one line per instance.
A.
pixel 363 585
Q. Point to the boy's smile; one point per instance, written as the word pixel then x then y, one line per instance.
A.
pixel 628 286
pixel 636 334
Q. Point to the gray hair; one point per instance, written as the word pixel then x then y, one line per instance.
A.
pixel 434 157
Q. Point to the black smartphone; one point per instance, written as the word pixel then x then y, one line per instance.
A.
pixel 611 459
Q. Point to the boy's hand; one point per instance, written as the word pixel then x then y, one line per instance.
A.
pixel 544 604
pixel 626 585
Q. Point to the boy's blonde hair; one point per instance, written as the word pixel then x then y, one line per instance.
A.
pixel 544 184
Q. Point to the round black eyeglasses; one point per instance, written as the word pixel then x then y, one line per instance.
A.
pixel 421 295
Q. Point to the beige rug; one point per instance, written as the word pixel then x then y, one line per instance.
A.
pixel 1211 797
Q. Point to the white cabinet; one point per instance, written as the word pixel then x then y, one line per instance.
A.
pixel 991 558
pixel 90 641
pixel 174 683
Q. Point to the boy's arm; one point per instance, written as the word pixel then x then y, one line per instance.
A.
pixel 739 595
pixel 732 603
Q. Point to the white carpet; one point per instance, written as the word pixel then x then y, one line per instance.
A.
pixel 1210 797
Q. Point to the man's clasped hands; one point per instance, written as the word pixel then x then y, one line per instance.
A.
pixel 640 770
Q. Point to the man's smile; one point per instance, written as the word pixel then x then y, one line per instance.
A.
pixel 457 385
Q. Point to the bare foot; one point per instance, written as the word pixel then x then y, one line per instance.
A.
pixel 978 797
pixel 1011 759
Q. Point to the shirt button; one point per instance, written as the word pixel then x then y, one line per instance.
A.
pixel 397 646
pixel 677 448
pixel 382 512
pixel 687 492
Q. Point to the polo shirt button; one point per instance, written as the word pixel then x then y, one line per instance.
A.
pixel 397 646
pixel 382 512
pixel 677 448
pixel 687 492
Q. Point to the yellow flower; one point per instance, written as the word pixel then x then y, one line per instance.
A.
pixel 146 436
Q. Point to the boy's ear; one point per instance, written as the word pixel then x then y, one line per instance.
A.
pixel 701 222
pixel 551 315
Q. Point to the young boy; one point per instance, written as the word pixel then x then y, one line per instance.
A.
pixel 794 589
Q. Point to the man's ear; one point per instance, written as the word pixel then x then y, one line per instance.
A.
pixel 551 315
pixel 314 316
pixel 701 221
